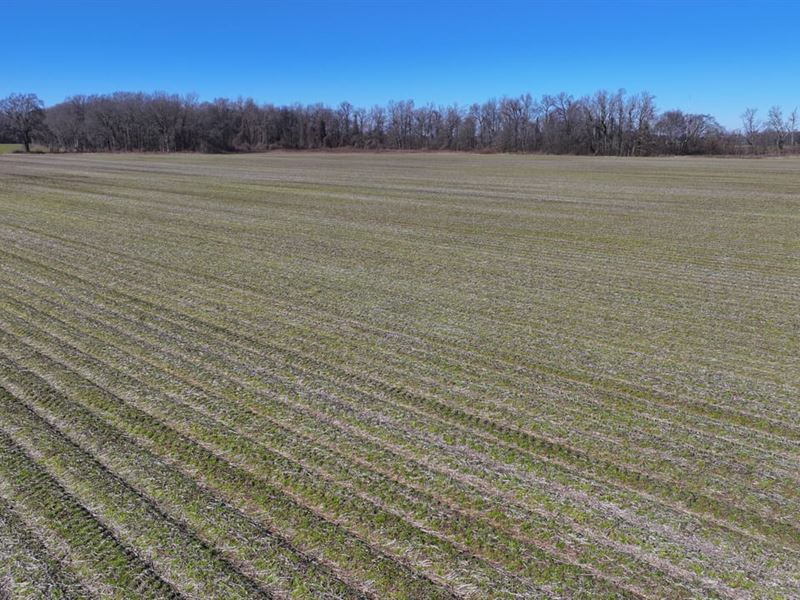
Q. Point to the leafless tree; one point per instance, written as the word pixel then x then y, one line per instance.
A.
pixel 777 126
pixel 67 124
pixel 489 124
pixel 751 126
pixel 23 114
pixel 598 120
pixel 377 122
pixel 607 124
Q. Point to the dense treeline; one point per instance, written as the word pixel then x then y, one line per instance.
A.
pixel 605 124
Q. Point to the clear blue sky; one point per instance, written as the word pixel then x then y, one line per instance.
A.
pixel 716 57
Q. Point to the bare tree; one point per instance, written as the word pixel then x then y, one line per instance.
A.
pixel 67 125
pixel 377 123
pixel 599 116
pixel 164 116
pixel 489 124
pixel 468 131
pixel 359 127
pixel 344 118
pixel 777 126
pixel 645 118
pixel 606 124
pixel 791 122
pixel 24 116
pixel 618 120
pixel 750 126
pixel 513 116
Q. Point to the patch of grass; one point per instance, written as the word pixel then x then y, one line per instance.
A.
pixel 20 149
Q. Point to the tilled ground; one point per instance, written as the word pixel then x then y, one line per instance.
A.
pixel 399 376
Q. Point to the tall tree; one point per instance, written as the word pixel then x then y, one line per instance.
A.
pixel 792 124
pixel 778 127
pixel 750 125
pixel 24 116
pixel 604 124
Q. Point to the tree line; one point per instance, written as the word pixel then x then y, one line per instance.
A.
pixel 614 124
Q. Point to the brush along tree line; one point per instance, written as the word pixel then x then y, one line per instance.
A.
pixel 608 124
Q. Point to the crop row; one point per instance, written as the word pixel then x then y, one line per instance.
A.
pixel 369 377
pixel 27 568
pixel 557 451
pixel 106 567
pixel 117 336
pixel 253 422
pixel 272 472
pixel 594 450
pixel 762 420
pixel 189 394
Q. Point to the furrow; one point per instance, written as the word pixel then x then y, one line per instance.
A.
pixel 189 566
pixel 300 523
pixel 251 423
pixel 28 570
pixel 105 567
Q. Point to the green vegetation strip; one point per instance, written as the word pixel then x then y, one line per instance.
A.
pixel 189 566
pixel 105 566
pixel 27 568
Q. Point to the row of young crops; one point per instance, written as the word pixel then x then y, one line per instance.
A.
pixel 398 376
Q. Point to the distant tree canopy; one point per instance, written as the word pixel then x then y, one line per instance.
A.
pixel 614 124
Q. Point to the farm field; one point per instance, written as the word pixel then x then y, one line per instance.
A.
pixel 309 375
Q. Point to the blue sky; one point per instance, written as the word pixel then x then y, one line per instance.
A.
pixel 715 57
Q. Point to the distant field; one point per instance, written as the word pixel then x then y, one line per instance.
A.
pixel 399 376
